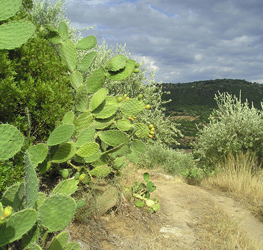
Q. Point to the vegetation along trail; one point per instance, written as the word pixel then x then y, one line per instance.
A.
pixel 190 218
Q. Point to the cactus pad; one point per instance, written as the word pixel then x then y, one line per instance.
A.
pixel 138 146
pixel 122 74
pixel 68 117
pixel 63 30
pixel 41 197
pixel 95 80
pixel 86 61
pixel 132 107
pixel 9 8
pixel 56 212
pixel 85 136
pixel 68 54
pixel 59 242
pixel 101 171
pixel 65 152
pixel 114 137
pixel 98 98
pixel 103 123
pixel 83 121
pixel 13 196
pixel 11 141
pixel 123 125
pixel 76 79
pixel 31 182
pixel 66 187
pixel 116 63
pixel 93 158
pixel 141 130
pixel 14 34
pixel 17 225
pixel 60 134
pixel 133 156
pixel 87 43
pixel 56 40
pixel 73 246
pixel 89 149
pixel 81 98
pixel 119 162
pixel 107 109
pixel 37 153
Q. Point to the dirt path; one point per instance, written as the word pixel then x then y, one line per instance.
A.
pixel 176 226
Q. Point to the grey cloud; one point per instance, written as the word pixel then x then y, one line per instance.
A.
pixel 185 40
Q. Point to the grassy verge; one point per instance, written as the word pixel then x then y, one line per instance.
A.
pixel 218 231
pixel 242 178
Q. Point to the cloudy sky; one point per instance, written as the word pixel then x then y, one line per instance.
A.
pixel 182 40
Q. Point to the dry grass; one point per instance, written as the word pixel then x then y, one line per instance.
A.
pixel 218 231
pixel 241 177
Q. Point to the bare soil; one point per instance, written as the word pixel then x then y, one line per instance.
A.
pixel 178 225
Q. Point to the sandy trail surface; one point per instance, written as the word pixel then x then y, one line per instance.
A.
pixel 174 226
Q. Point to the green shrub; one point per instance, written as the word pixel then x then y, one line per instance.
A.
pixel 233 127
pixel 33 81
pixel 173 161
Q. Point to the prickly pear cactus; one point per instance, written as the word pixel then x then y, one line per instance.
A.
pixel 17 225
pixel 11 141
pixel 56 212
pixel 13 34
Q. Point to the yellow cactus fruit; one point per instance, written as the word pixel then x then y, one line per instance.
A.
pixel 152 129
pixel 150 136
pixel 82 177
pixel 127 98
pixel 151 132
pixel 150 126
pixel 7 211
pixel 147 106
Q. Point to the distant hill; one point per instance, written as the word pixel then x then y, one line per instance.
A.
pixel 193 102
pixel 202 93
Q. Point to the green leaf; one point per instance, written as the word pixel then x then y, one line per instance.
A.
pixel 76 79
pixel 61 134
pixel 85 136
pixel 146 177
pixel 63 30
pixel 9 8
pixel 37 153
pixel 88 149
pixel 87 60
pixel 87 43
pixel 66 187
pixel 139 203
pixel 95 80
pixel 65 152
pixel 106 109
pixel 98 98
pixel 116 63
pixel 114 137
pixel 69 55
pixel 122 74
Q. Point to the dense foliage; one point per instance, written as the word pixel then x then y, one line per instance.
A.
pixel 35 90
pixel 202 93
pixel 233 127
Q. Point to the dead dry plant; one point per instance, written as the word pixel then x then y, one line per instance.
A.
pixel 218 231
pixel 241 177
